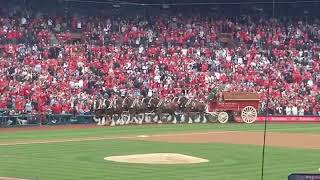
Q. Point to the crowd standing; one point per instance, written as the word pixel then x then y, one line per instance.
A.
pixel 52 65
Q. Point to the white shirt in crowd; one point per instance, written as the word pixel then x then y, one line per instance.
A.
pixel 141 49
pixel 72 84
pixel 217 75
pixel 80 83
pixel 198 52
pixel 144 68
pixel 37 68
pixel 157 78
pixel 169 80
pixel 209 79
pixel 224 53
pixel 123 29
pixel 279 110
pixel 80 64
pixel 60 55
pixel 138 41
pixel 79 25
pixel 294 111
pixel 163 51
pixel 184 52
pixel 150 93
pixel 288 110
pixel 28 107
pixel 240 61
pixel 201 33
pixel 301 112
pixel 23 21
pixel 49 22
pixel 123 92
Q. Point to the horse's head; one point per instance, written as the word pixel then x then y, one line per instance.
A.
pixel 188 103
pixel 160 103
pixel 152 102
pixel 110 103
pixel 182 101
pixel 149 102
pixel 118 103
pixel 134 103
pixel 125 102
pixel 143 100
pixel 175 99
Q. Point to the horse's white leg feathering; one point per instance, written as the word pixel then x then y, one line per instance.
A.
pixel 204 119
pixel 103 121
pixel 112 123
pixel 128 119
pixel 183 118
pixel 174 120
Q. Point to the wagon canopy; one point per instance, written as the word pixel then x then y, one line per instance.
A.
pixel 240 96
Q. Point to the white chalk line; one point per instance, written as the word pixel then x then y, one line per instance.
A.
pixel 10 178
pixel 113 138
pixel 65 140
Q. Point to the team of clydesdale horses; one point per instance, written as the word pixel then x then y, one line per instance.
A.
pixel 128 110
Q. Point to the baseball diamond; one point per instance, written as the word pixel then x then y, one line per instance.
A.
pixel 159 89
pixel 232 151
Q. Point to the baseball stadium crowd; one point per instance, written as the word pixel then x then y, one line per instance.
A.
pixel 50 64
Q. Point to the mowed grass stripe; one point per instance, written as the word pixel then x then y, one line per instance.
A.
pixel 203 171
pixel 67 163
pixel 110 131
pixel 245 166
pixel 152 129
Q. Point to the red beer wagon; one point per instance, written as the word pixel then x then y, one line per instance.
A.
pixel 246 103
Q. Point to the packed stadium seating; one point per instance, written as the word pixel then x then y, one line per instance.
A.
pixel 50 64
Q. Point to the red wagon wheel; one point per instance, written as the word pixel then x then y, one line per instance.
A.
pixel 249 114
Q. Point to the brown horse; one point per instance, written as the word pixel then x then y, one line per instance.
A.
pixel 167 107
pixel 101 109
pixel 132 107
pixel 105 109
pixel 98 110
pixel 141 108
pixel 117 109
pixel 192 107
pixel 152 105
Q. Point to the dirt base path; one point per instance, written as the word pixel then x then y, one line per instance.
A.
pixel 275 139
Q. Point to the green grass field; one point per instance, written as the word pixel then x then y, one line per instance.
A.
pixel 84 160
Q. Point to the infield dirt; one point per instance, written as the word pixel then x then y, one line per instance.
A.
pixel 274 139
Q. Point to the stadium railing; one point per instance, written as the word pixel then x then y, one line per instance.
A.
pixel 44 119
pixel 64 119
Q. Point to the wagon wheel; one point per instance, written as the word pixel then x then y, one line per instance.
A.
pixel 249 114
pixel 223 117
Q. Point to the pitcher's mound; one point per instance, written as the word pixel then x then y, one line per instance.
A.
pixel 157 158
